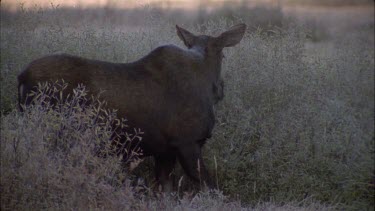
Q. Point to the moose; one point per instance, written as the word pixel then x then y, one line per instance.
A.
pixel 169 94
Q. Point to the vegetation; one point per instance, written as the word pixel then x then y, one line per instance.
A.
pixel 330 2
pixel 294 131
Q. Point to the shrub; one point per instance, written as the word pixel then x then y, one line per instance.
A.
pixel 50 154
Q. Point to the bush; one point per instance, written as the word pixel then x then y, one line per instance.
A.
pixel 49 157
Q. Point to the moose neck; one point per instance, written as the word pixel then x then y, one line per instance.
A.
pixel 209 67
pixel 212 78
pixel 212 67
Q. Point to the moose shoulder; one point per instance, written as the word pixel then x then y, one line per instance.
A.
pixel 169 94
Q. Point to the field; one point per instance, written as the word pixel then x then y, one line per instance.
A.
pixel 295 130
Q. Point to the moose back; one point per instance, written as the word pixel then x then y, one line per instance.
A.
pixel 169 94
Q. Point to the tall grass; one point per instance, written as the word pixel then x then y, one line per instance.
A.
pixel 49 156
pixel 329 2
pixel 52 158
pixel 294 128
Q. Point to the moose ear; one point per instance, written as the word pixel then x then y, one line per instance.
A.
pixel 185 36
pixel 231 37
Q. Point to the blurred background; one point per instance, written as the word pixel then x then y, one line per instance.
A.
pixel 324 18
pixel 184 4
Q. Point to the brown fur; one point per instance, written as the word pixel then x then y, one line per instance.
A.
pixel 169 94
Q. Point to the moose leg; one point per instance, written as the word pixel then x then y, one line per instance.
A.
pixel 190 158
pixel 164 166
pixel 23 98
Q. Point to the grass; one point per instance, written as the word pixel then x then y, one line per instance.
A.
pixel 294 131
pixel 50 161
pixel 333 3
